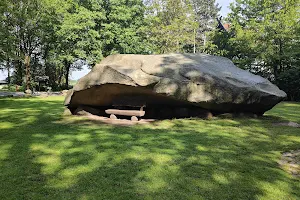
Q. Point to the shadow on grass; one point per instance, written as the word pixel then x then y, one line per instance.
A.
pixel 44 156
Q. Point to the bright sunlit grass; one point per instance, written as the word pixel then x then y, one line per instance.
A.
pixel 44 155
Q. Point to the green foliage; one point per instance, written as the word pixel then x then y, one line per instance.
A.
pixel 76 32
pixel 44 155
pixel 264 38
pixel 206 12
pixel 219 44
pixel 289 81
pixel 265 34
pixel 76 35
pixel 12 88
pixel 61 36
pixel 172 25
pixel 58 35
pixel 124 27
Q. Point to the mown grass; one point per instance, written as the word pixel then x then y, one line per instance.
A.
pixel 44 155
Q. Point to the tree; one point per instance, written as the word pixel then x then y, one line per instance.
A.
pixel 289 81
pixel 123 30
pixel 206 12
pixel 21 27
pixel 76 35
pixel 7 40
pixel 41 36
pixel 172 25
pixel 265 34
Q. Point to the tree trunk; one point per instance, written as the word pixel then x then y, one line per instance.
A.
pixel 68 66
pixel 27 66
pixel 8 71
pixel 280 55
pixel 60 76
pixel 275 69
pixel 19 72
pixel 194 41
pixel 204 40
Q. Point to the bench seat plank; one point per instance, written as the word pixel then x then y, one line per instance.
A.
pixel 137 113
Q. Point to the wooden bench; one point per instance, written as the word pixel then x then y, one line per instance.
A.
pixel 133 113
pixel 127 101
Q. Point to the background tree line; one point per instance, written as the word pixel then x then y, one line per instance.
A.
pixel 54 37
pixel 264 38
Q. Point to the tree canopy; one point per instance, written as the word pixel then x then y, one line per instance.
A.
pixel 264 38
pixel 53 37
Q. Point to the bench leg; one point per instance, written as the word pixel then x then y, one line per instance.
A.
pixel 134 119
pixel 112 116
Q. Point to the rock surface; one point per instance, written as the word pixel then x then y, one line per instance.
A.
pixel 191 82
pixel 290 162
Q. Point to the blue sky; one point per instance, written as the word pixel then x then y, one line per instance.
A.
pixel 224 3
pixel 78 74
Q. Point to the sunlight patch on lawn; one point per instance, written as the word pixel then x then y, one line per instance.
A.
pixel 29 120
pixel 290 104
pixel 156 176
pixel 288 111
pixel 274 190
pixel 66 164
pixel 6 125
pixel 4 151
pixel 204 184
pixel 201 148
pixel 50 163
pixel 267 157
pixel 220 178
pixel 201 159
pixel 288 140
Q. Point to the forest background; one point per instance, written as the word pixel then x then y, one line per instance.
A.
pixel 54 37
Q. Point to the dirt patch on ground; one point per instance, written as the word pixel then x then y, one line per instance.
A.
pixel 291 124
pixel 290 162
pixel 119 122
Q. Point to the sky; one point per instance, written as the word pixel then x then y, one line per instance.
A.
pixel 75 75
pixel 225 4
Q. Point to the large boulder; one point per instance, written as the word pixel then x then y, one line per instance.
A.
pixel 174 82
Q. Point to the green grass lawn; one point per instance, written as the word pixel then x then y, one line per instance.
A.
pixel 44 155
